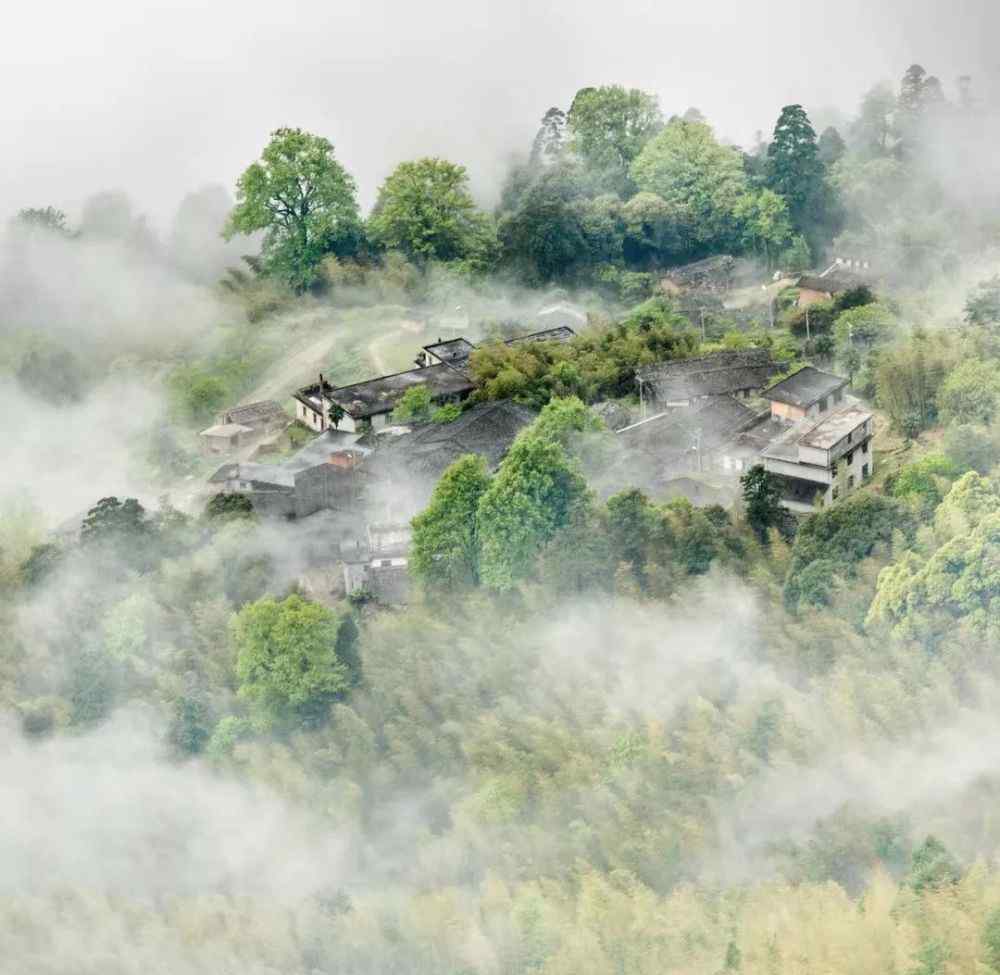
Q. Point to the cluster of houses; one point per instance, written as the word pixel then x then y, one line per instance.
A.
pixel 701 420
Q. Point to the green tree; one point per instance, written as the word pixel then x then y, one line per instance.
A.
pixel 932 866
pixel 424 209
pixel 794 169
pixel 651 229
pixel 700 180
pixel 528 501
pixel 608 128
pixel 227 507
pixel 762 501
pixel 550 142
pixel 983 304
pixel 286 657
pixel 831 146
pixel 991 939
pixel 765 227
pixel 970 447
pixel 970 392
pixel 872 134
pixel 445 550
pixel 115 522
pixel 303 200
pixel 414 406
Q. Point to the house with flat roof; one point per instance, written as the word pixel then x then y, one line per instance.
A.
pixel 818 461
pixel 808 392
pixel 824 287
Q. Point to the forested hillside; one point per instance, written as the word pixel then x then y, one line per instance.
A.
pixel 610 731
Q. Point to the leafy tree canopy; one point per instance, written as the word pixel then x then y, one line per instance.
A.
pixel 303 200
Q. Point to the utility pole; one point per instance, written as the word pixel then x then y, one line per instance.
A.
pixel 642 400
pixel 703 324
pixel 808 333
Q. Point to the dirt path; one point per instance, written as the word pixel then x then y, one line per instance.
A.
pixel 294 370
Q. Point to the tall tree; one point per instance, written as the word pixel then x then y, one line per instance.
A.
pixel 831 146
pixel 873 132
pixel 303 200
pixel 286 657
pixel 609 127
pixel 761 500
pixel 425 210
pixel 44 218
pixel 699 179
pixel 550 140
pixel 445 551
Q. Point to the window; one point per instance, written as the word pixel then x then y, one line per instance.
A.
pixel 864 447
pixel 836 491
pixel 850 437
pixel 850 482
pixel 823 405
pixel 864 472
pixel 838 395
pixel 849 458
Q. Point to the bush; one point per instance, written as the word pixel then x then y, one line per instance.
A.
pixel 970 447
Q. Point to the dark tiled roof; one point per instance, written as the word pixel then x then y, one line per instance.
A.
pixel 716 374
pixel 805 387
pixel 487 430
pixel 367 399
pixel 561 333
pixel 707 425
pixel 830 284
pixel 255 414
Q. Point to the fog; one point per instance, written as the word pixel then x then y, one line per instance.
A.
pixel 155 98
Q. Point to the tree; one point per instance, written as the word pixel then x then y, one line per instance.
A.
pixel 766 228
pixel 414 406
pixel 699 179
pixel 445 550
pixel 983 304
pixel 831 146
pixel 970 448
pixel 424 209
pixel 303 200
pixel 550 142
pixel 651 230
pixel 991 939
pixel 795 171
pixel 932 867
pixel 543 237
pixel 48 219
pixel 762 501
pixel 527 502
pixel 609 126
pixel 872 133
pixel 286 658
pixel 116 522
pixel 970 392
pixel 229 507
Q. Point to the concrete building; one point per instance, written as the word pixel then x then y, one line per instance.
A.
pixel 809 392
pixel 820 460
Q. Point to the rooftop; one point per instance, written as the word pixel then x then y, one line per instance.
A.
pixel 256 413
pixel 829 283
pixel 831 430
pixel 487 430
pixel 820 435
pixel 367 399
pixel 705 426
pixel 716 374
pixel 805 387
pixel 561 333
pixel 226 430
pixel 451 351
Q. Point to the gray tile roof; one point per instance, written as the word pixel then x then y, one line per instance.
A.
pixel 256 414
pixel 707 425
pixel 804 388
pixel 368 399
pixel 715 374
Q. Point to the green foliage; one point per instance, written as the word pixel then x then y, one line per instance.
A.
pixel 932 866
pixel 303 200
pixel 970 392
pixel 983 305
pixel 48 219
pixel 991 939
pixel 925 481
pixel 445 550
pixel 702 183
pixel 830 544
pixel 43 560
pixel 531 497
pixel 424 210
pixel 414 406
pixel 227 507
pixel 608 128
pixel 447 413
pixel 970 447
pixel 908 378
pixel 761 501
pixel 197 394
pixel 121 528
pixel 286 658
